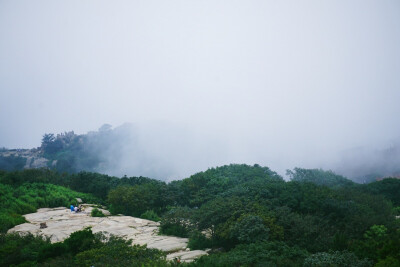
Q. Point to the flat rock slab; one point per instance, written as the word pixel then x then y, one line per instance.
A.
pixel 61 222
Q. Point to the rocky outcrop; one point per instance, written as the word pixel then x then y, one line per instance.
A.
pixel 36 162
pixel 34 157
pixel 61 222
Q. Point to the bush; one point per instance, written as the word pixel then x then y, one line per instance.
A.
pixel 120 253
pixel 177 222
pixel 174 229
pixel 9 220
pixel 52 250
pixel 81 240
pixel 16 249
pixel 97 213
pixel 198 241
pixel 150 215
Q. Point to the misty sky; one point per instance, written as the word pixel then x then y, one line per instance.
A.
pixel 279 83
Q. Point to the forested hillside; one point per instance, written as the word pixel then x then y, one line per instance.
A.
pixel 247 215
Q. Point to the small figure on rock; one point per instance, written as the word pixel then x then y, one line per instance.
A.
pixel 177 260
pixel 43 225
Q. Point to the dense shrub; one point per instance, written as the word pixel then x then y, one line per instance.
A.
pixel 97 213
pixel 16 249
pixel 198 240
pixel 150 215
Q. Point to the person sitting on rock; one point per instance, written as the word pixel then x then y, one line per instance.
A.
pixel 72 208
pixel 76 209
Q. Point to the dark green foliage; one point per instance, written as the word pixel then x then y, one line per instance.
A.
pixel 15 249
pixel 247 213
pixel 49 250
pixel 389 188
pixel 205 186
pixel 137 199
pixel 257 254
pixel 396 211
pixel 199 241
pixel 17 178
pixel 82 248
pixel 150 215
pixel 94 183
pixel 177 221
pixel 9 220
pixel 97 213
pixel 388 262
pixel 336 259
pixel 81 240
pixel 250 228
pixel 118 252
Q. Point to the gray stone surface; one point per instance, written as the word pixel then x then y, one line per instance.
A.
pixel 61 222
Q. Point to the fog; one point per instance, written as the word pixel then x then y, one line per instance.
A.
pixel 284 84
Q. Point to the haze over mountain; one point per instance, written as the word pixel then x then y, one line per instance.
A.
pixel 282 84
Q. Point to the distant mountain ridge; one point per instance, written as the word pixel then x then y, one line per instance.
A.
pixel 65 152
pixel 159 152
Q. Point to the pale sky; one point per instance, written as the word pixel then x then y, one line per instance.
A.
pixel 279 83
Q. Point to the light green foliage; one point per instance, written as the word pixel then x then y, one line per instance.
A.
pixel 378 244
pixel 376 233
pixel 26 198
